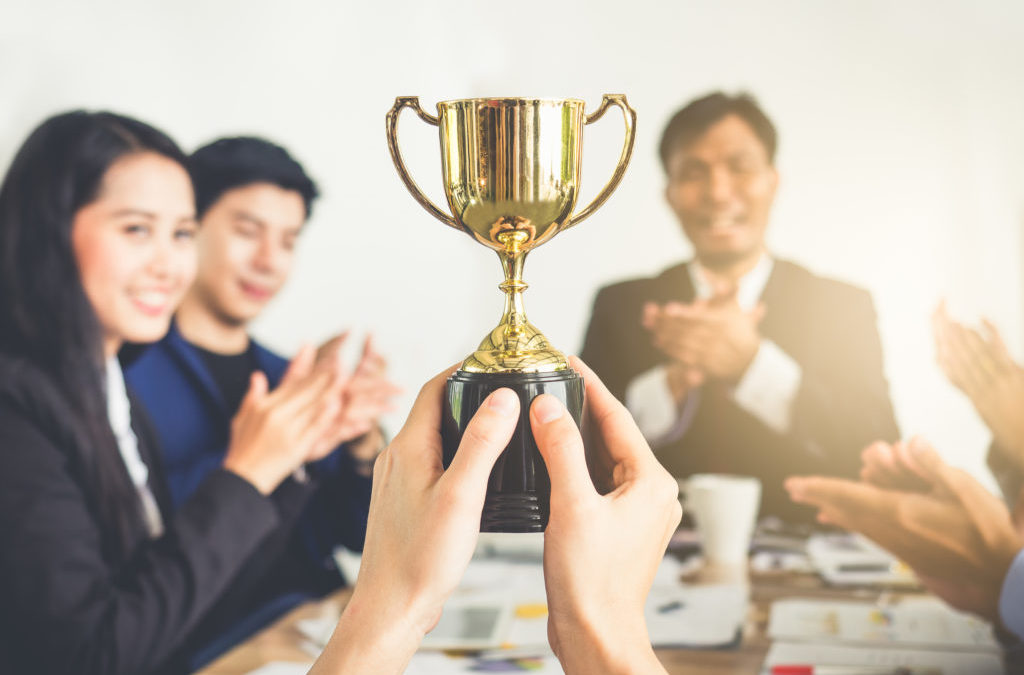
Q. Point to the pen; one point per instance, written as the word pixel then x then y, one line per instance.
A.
pixel 799 669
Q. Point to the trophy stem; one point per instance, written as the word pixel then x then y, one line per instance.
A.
pixel 513 319
pixel 514 345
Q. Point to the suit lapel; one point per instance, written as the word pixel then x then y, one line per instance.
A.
pixel 777 298
pixel 192 363
pixel 674 284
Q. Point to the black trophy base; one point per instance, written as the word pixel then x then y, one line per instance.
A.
pixel 519 490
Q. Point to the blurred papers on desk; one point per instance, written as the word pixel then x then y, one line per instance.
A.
pixel 822 655
pixel 500 610
pixel 282 668
pixel 924 622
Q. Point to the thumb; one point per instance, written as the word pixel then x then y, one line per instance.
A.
pixel 485 438
pixel 257 389
pixel 300 365
pixel 561 446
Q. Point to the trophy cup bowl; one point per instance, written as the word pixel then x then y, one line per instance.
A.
pixel 511 175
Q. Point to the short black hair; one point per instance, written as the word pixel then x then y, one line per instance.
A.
pixel 229 163
pixel 699 115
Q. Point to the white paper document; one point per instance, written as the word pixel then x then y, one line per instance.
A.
pixel 944 662
pixel 703 616
pixel 921 623
pixel 282 668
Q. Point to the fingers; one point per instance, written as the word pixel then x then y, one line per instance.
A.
pixel 330 351
pixel 307 396
pixel 877 463
pixel 997 347
pixel 838 495
pixel 650 316
pixel 982 507
pixel 299 366
pixel 561 446
pixel 425 416
pixel 622 439
pixel 257 391
pixel 485 438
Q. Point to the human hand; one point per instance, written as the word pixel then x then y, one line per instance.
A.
pixel 981 367
pixel 422 530
pixel 892 466
pixel 367 395
pixel 715 338
pixel 960 532
pixel 274 433
pixel 601 552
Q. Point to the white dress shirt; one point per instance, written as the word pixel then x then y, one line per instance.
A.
pixel 766 390
pixel 120 414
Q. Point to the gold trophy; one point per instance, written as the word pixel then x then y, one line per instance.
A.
pixel 511 171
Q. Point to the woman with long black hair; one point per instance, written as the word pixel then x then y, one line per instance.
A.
pixel 96 574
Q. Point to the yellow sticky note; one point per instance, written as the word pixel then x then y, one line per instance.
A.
pixel 534 611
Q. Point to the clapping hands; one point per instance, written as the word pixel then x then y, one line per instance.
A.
pixel 979 364
pixel 366 394
pixel 954 533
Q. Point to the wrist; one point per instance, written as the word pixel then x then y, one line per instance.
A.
pixel 254 475
pixel 622 647
pixel 371 636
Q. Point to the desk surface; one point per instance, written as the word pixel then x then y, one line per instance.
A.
pixel 282 642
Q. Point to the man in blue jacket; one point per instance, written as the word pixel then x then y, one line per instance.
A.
pixel 253 200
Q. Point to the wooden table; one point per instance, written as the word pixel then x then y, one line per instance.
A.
pixel 282 641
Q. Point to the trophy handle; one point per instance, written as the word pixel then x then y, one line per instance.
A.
pixel 629 116
pixel 396 155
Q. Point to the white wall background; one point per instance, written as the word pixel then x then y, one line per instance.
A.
pixel 901 125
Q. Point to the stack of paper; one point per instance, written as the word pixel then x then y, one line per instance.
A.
pixel 921 633
pixel 947 663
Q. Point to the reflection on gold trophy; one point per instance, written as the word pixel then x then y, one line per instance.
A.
pixel 511 171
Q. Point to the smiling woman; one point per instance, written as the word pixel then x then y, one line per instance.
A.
pixel 100 575
pixel 135 247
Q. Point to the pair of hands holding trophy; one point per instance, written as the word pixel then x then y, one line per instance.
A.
pixel 601 551
pixel 496 444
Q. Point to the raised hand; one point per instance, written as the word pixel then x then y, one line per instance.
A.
pixel 892 466
pixel 959 538
pixel 715 338
pixel 981 366
pixel 367 394
pixel 274 433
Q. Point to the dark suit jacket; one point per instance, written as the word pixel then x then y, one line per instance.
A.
pixel 827 327
pixel 67 603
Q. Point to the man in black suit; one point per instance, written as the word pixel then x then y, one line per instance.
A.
pixel 737 362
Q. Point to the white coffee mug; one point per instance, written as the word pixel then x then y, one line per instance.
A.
pixel 725 509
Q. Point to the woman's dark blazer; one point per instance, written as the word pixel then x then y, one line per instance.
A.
pixel 68 602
